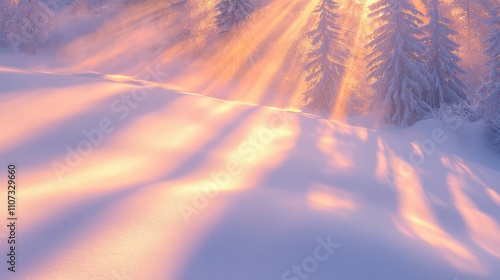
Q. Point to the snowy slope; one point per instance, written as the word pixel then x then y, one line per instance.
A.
pixel 125 179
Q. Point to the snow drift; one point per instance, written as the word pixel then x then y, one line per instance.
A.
pixel 121 178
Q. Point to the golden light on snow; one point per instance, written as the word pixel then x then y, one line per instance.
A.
pixel 493 195
pixel 417 218
pixel 382 169
pixel 157 187
pixel 325 197
pixel 482 228
pixel 337 150
pixel 152 159
pixel 68 106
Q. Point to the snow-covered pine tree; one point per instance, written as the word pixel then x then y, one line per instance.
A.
pixel 179 5
pixel 446 85
pixel 32 25
pixel 233 38
pixel 231 14
pixel 6 26
pixel 491 103
pixel 396 63
pixel 327 60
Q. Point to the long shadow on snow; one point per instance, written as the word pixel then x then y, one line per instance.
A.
pixel 75 222
pixel 45 148
pixel 256 213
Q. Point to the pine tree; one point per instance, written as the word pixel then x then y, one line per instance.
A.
pixel 396 62
pixel 234 40
pixel 327 58
pixel 179 5
pixel 446 85
pixel 491 103
pixel 231 14
pixel 6 26
pixel 31 25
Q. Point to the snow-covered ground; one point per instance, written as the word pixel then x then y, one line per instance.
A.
pixel 121 178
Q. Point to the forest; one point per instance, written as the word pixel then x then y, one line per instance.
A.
pixel 250 139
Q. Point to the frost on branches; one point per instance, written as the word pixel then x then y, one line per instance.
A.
pixel 446 85
pixel 327 58
pixel 231 14
pixel 396 62
pixel 491 103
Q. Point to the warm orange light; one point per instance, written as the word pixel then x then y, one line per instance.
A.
pixel 417 218
pixel 325 197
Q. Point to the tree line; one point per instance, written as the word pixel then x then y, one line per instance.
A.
pixel 413 63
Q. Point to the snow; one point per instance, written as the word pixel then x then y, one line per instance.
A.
pixel 492 86
pixel 325 68
pixel 129 167
pixel 396 62
pixel 174 185
pixel 446 84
